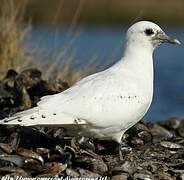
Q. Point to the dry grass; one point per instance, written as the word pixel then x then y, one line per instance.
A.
pixel 12 32
pixel 13 29
pixel 70 74
pixel 62 65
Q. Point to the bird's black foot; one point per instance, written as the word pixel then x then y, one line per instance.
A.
pixel 123 149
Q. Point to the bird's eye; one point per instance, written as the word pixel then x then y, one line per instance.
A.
pixel 149 32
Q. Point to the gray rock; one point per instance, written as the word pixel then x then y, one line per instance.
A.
pixel 137 141
pixel 128 167
pixel 87 173
pixel 170 145
pixel 172 123
pixel 139 176
pixel 160 133
pixel 72 173
pixel 53 169
pixel 30 154
pixel 16 170
pixel 122 176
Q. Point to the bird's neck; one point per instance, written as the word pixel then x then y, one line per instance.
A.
pixel 136 49
pixel 138 57
pixel 137 63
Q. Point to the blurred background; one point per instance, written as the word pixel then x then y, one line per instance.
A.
pixel 74 38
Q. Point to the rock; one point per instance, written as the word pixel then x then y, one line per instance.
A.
pixel 12 143
pixel 176 164
pixel 163 175
pixel 87 173
pixel 9 96
pixel 16 170
pixel 53 169
pixel 72 173
pixel 128 167
pixel 139 134
pixel 170 145
pixel 156 149
pixel 181 176
pixel 99 166
pixel 181 132
pixel 172 123
pixel 5 131
pixel 25 100
pixel 33 165
pixel 59 133
pixel 160 133
pixel 13 140
pixel 13 93
pixel 181 129
pixel 87 144
pixel 95 165
pixel 59 154
pixel 137 141
pixel 21 91
pixel 137 128
pixel 178 155
pixel 30 154
pixel 13 159
pixel 29 77
pixel 145 136
pixel 44 152
pixel 33 138
pixel 142 176
pixel 6 148
pixel 58 85
pixel 122 176
pixel 106 147
pixel 11 74
pixel 152 167
pixel 40 89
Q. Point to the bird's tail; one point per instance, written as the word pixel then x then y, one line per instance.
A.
pixel 38 116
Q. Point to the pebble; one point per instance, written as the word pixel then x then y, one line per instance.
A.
pixel 181 129
pixel 170 145
pixel 72 173
pixel 16 170
pixel 157 149
pixel 87 173
pixel 142 176
pixel 53 169
pixel 160 133
pixel 172 123
pixel 137 141
pixel 122 176
pixel 128 167
pixel 145 136
pixel 30 154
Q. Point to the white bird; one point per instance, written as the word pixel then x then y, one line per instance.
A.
pixel 105 104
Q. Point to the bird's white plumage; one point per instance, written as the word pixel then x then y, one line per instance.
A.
pixel 107 103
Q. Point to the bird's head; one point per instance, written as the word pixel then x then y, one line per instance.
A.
pixel 148 34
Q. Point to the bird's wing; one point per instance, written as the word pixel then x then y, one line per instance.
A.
pixel 68 107
pixel 95 100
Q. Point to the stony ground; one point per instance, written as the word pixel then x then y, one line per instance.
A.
pixel 157 149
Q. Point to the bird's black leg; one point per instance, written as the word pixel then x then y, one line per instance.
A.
pixel 123 149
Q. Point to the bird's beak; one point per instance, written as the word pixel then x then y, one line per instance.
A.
pixel 165 38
